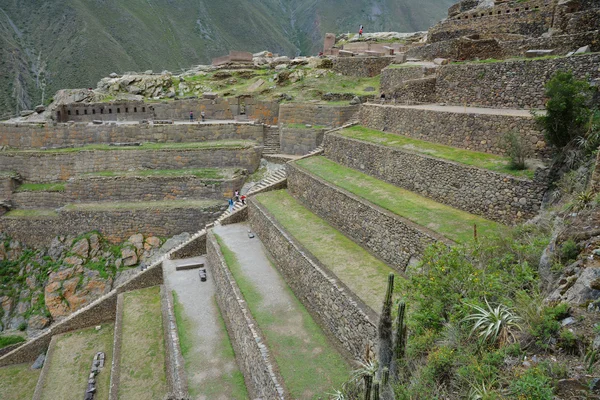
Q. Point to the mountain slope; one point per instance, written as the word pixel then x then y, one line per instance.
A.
pixel 73 43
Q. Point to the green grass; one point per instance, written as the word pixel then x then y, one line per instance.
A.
pixel 364 274
pixel 10 340
pixel 39 213
pixel 209 145
pixel 17 382
pixel 71 362
pixel 140 205
pixel 202 173
pixel 143 374
pixel 309 365
pixel 487 161
pixel 303 126
pixel 406 65
pixel 230 383
pixel 42 187
pixel 450 222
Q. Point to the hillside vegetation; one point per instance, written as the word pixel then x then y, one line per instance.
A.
pixel 46 46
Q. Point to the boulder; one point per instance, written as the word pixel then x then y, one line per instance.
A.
pixel 129 256
pixel 94 245
pixel 113 75
pixel 583 50
pixel 39 362
pixel 38 322
pixel 26 113
pixel 81 248
pixel 40 109
pixel 585 289
pixel 151 242
pixel 73 260
pixel 441 61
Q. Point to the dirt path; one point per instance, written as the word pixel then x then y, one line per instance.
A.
pixel 209 359
pixel 309 365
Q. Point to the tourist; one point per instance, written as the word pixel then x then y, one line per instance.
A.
pixel 360 31
pixel 382 97
pixel 230 201
pixel 202 115
pixel 243 198
pixel 191 116
pixel 237 196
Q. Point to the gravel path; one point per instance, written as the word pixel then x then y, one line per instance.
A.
pixel 210 363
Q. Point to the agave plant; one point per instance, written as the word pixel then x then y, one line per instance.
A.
pixel 494 324
pixel 368 368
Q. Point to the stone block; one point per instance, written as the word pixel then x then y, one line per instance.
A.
pixel 389 51
pixel 240 56
pixel 400 58
pixel 209 95
pixel 538 53
pixel 345 53
pixel 441 61
pixel 583 50
pixel 374 53
pixel 329 41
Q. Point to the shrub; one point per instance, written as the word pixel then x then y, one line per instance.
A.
pixel 22 326
pixel 516 148
pixel 569 251
pixel 531 384
pixel 548 325
pixel 566 110
pixel 494 324
pixel 10 340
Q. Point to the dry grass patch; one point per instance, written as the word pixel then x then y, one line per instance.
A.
pixel 143 375
pixel 17 382
pixel 71 362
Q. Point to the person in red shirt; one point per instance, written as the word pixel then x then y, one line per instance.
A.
pixel 360 31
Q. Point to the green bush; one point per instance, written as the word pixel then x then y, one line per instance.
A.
pixel 517 149
pixel 569 251
pixel 531 384
pixel 548 325
pixel 567 113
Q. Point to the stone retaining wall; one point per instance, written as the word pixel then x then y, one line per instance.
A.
pixel 499 197
pixel 316 114
pixel 363 67
pixel 250 346
pixel 49 166
pixel 394 76
pixel 415 91
pixel 39 387
pixel 194 248
pixel 387 236
pixel 114 224
pixel 471 131
pixel 341 314
pixel 300 141
pixel 508 84
pixel 21 136
pixel 39 199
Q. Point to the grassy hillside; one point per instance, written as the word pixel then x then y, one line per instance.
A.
pixel 73 43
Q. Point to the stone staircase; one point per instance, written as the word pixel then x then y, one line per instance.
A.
pixel 272 144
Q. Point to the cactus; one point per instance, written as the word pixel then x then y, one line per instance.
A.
pixel 368 383
pixel 376 391
pixel 385 376
pixel 399 340
pixel 385 328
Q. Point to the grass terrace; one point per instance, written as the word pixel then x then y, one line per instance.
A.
pixel 309 364
pixel 364 274
pixel 36 213
pixel 71 362
pixel 42 187
pixel 139 205
pixel 209 145
pixel 17 382
pixel 143 375
pixel 450 222
pixel 487 161
pixel 202 173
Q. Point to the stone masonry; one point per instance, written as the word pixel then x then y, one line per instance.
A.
pixel 50 166
pixel 363 67
pixel 30 136
pixel 471 131
pixel 114 224
pixel 316 114
pixel 251 351
pixel 502 198
pixel 300 141
pixel 388 236
pixel 343 316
